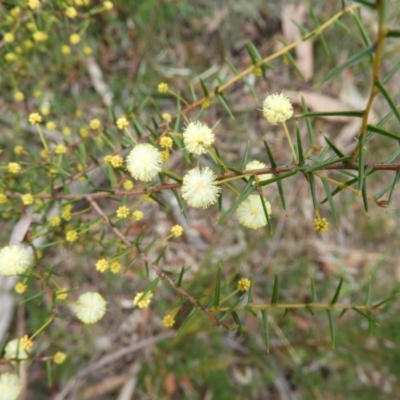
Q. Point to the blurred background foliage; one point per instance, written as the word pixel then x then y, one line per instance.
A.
pixel 137 45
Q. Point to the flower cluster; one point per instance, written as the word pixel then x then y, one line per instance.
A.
pixel 142 301
pixel 251 213
pixel 320 225
pixel 277 108
pixel 90 307
pixel 14 260
pixel 144 162
pixel 198 137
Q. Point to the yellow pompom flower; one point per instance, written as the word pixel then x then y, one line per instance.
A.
pixel 14 350
pixel 115 267
pixel 10 386
pixel 61 294
pixel 87 50
pixel 90 307
pixel 198 137
pixel 144 162
pixel 26 342
pixel 107 159
pixel 65 49
pixel 66 131
pixel 320 225
pixel 74 38
pixel 251 214
pixel 19 150
pixel 122 123
pixel 162 88
pixel 35 118
pixel 277 108
pixel 51 126
pixel 177 230
pixel 3 198
pixel 166 117
pixel 83 132
pixel 20 287
pixel 137 215
pixel 200 188
pixel 95 124
pixel 255 164
pixel 108 5
pixel 55 221
pixel 40 36
pixel 166 142
pixel 59 357
pixel 27 199
pixel 10 57
pixel 60 149
pixel 142 302
pixel 116 161
pixel 244 284
pixel 71 12
pixel 128 184
pixel 168 321
pixel 14 168
pixel 19 96
pixel 123 212
pixel 8 37
pixel 71 236
pixel 102 265
pixel 33 4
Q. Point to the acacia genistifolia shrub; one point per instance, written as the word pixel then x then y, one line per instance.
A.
pixel 75 179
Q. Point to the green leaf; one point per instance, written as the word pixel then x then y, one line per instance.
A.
pixel 394 186
pixel 383 132
pixel 325 164
pixel 275 291
pixel 364 196
pixel 160 255
pixel 393 33
pixel 351 61
pixel 391 73
pixel 237 321
pixel 330 200
pixel 245 80
pixel 253 52
pixel 217 288
pixel 310 132
pixel 172 175
pixel 313 291
pixel 266 328
pixel 310 310
pixel 267 217
pixel 277 178
pixel 193 93
pixel 368 317
pixel 204 87
pixel 320 36
pixel 245 156
pixel 231 308
pixel 300 154
pixel 187 319
pixel 389 99
pixel 361 164
pixel 149 288
pixel 292 61
pixel 269 153
pixel 337 293
pixel 353 113
pixel 369 288
pixel 311 180
pixel 331 327
pixel 180 277
pixel 366 3
pixel 390 298
pixel 251 311
pixel 224 104
pixel 334 148
pixel 361 29
pixel 251 290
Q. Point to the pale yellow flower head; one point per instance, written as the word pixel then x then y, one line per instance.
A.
pixel 168 321
pixel 277 108
pixel 122 123
pixel 74 38
pixel 90 307
pixel 71 12
pixel 10 386
pixel 40 36
pixel 198 137
pixel 123 212
pixel 177 230
pixel 14 260
pixel 59 357
pixel 19 96
pixel 15 350
pixel 95 124
pixel 200 188
pixel 144 162
pixel 251 214
pixel 255 164
pixel 144 302
pixel 137 215
pixel 35 118
pixel 102 265
pixel 162 88
pixel 14 168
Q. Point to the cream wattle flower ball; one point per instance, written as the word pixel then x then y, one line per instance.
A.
pixel 198 137
pixel 14 260
pixel 277 108
pixel 10 386
pixel 144 162
pixel 90 307
pixel 200 188
pixel 255 164
pixel 251 214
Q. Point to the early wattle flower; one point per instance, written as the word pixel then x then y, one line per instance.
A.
pixel 200 188
pixel 10 386
pixel 144 162
pixel 255 164
pixel 14 260
pixel 277 108
pixel 90 307
pixel 251 214
pixel 198 137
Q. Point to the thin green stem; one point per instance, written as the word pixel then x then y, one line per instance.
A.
pixel 290 142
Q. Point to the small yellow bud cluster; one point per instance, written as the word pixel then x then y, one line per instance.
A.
pixel 122 123
pixel 243 284
pixel 95 124
pixel 26 342
pixel 65 49
pixel 142 302
pixel 33 4
pixel 320 225
pixel 168 321
pixel 71 236
pixel 3 198
pixel 83 132
pixel 19 150
pixel 108 5
pixel 71 12
pixel 128 185
pixel 8 37
pixel 40 36
pixel 123 212
pixel 59 357
pixel 137 215
pixel 60 149
pixel 116 161
pixel 74 38
pixel 162 88
pixel 27 199
pixel 102 265
pixel 166 142
pixel 166 117
pixel 14 168
pixel 66 214
pixel 177 230
pixel 19 96
pixel 35 118
pixel 55 221
pixel 20 287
